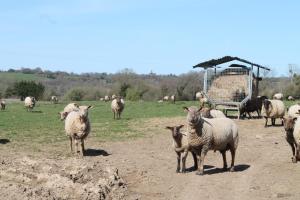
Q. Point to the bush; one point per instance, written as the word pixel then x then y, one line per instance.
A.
pixel 76 95
pixel 27 88
pixel 133 95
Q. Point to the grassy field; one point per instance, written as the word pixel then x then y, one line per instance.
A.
pixel 43 124
pixel 9 76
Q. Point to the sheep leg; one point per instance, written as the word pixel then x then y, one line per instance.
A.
pixel 82 147
pixel 294 159
pixel 266 124
pixel 224 159
pixel 258 113
pixel 232 151
pixel 183 160
pixel 71 144
pixel 195 161
pixel 201 162
pixel 76 146
pixel 273 121
pixel 178 162
pixel 114 115
pixel 250 117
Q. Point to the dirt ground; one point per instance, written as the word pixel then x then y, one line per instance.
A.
pixel 145 169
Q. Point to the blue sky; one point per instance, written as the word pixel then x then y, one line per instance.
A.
pixel 163 36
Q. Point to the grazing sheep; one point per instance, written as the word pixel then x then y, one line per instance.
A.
pixel 166 98
pixel 117 106
pixel 29 103
pixel 54 99
pixel 3 104
pixel 252 105
pixel 291 98
pixel 101 99
pixel 106 98
pixel 77 127
pixel 289 124
pixel 69 108
pixel 180 140
pixel 211 113
pixel 278 96
pixel 173 98
pixel 160 101
pixel 218 134
pixel 273 109
pixel 293 111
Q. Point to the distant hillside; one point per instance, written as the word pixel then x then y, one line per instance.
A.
pixel 92 86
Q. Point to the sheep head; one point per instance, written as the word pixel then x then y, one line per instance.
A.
pixel 289 123
pixel 268 105
pixel 175 130
pixel 63 115
pixel 193 115
pixel 83 112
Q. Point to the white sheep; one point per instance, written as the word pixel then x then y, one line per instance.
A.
pixel 29 103
pixel 273 109
pixel 54 99
pixel 173 98
pixel 166 98
pixel 117 107
pixel 69 108
pixel 211 113
pixel 106 98
pixel 218 134
pixel 113 96
pixel 3 104
pixel 199 95
pixel 77 127
pixel 293 111
pixel 291 98
pixel 289 127
pixel 180 140
pixel 296 142
pixel 278 96
pixel 101 99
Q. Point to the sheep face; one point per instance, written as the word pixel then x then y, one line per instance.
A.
pixel 83 111
pixel 193 116
pixel 205 112
pixel 63 115
pixel 289 123
pixel 267 104
pixel 175 130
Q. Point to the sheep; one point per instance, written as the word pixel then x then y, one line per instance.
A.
pixel 106 98
pixel 173 98
pixel 3 104
pixel 218 134
pixel 113 96
pixel 252 105
pixel 54 99
pixel 273 109
pixel 101 99
pixel 289 127
pixel 180 140
pixel 69 108
pixel 278 96
pixel 166 98
pixel 117 106
pixel 198 95
pixel 291 98
pixel 29 103
pixel 160 101
pixel 202 98
pixel 296 136
pixel 77 128
pixel 293 111
pixel 211 113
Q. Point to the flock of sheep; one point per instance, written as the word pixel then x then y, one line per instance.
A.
pixel 207 128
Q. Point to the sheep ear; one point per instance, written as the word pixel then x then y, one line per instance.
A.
pixel 179 127
pixel 200 109
pixel 186 109
pixel 168 127
pixel 90 107
pixel 75 104
pixel 295 119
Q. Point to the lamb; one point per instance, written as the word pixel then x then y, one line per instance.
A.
pixel 3 104
pixel 29 103
pixel 180 140
pixel 69 108
pixel 77 128
pixel 273 109
pixel 252 105
pixel 218 134
pixel 54 99
pixel 173 98
pixel 291 98
pixel 293 111
pixel 289 125
pixel 278 96
pixel 106 98
pixel 117 107
pixel 211 113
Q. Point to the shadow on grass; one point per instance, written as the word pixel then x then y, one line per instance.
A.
pixel 36 111
pixel 237 168
pixel 4 141
pixel 96 152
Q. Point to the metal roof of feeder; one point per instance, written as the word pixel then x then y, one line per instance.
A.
pixel 214 62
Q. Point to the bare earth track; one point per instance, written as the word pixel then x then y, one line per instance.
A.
pixel 145 168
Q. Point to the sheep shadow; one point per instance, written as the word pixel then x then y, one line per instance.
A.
pixel 96 152
pixel 237 168
pixel 4 141
pixel 192 169
pixel 36 111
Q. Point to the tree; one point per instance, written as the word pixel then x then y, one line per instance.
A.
pixel 29 88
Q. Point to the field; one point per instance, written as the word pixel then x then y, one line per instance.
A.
pixel 36 163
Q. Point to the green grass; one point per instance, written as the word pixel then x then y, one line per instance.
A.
pixel 43 125
pixel 10 76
